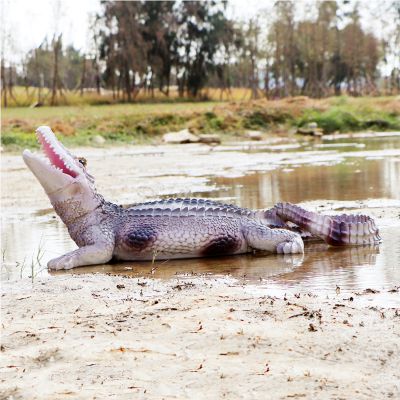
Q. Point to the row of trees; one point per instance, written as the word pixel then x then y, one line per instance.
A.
pixel 143 46
pixel 192 44
pixel 148 45
pixel 317 58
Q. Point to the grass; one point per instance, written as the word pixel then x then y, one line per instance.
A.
pixel 121 123
pixel 355 114
pixel 23 98
pixel 145 122
pixel 36 265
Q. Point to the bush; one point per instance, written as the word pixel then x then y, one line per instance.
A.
pixel 255 120
pixel 332 120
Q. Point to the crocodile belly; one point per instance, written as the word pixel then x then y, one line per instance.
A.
pixel 145 238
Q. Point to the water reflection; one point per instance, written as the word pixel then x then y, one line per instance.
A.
pixel 249 267
pixel 319 259
pixel 321 268
pixel 353 179
pixel 32 237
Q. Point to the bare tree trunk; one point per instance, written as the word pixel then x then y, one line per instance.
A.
pixel 168 83
pixel 254 83
pixel 41 84
pixel 3 83
pixel 119 86
pixel 152 87
pixel 113 85
pixel 98 83
pixel 266 81
pixel 11 85
pixel 55 84
pixel 181 85
pixel 98 80
pixel 83 76
pixel 127 83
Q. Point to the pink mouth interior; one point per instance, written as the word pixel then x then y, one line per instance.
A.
pixel 54 158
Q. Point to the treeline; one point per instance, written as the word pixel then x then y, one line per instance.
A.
pixel 147 45
pixel 157 46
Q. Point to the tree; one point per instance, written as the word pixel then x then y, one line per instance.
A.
pixel 159 33
pixel 122 45
pixel 57 85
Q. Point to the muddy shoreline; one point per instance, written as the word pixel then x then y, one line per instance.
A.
pixel 362 176
pixel 97 336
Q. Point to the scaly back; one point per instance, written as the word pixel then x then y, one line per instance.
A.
pixel 189 207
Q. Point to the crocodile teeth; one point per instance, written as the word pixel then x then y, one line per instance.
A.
pixel 52 151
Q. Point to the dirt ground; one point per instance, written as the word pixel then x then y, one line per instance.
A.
pixel 97 336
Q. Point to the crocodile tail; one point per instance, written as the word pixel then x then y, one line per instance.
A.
pixel 271 218
pixel 335 230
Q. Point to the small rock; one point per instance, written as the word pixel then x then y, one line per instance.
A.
pixel 98 139
pixel 254 135
pixel 36 104
pixel 304 131
pixel 370 291
pixel 310 129
pixel 318 132
pixel 312 328
pixel 209 138
pixel 312 125
pixel 183 136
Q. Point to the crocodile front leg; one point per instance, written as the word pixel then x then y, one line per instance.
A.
pixel 282 241
pixel 87 255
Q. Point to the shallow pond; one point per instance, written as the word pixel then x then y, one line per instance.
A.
pixel 332 174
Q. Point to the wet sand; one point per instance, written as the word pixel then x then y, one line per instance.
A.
pixel 98 336
pixel 154 334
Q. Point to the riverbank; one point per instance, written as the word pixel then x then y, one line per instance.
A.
pixel 145 123
pixel 325 326
pixel 97 336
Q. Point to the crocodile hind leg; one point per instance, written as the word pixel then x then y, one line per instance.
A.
pixel 337 230
pixel 283 241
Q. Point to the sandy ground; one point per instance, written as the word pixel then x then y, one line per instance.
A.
pixel 97 336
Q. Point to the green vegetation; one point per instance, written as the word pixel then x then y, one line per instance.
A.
pixel 120 123
pixel 144 123
pixel 350 115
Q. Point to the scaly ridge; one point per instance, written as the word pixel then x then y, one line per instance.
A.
pixel 188 207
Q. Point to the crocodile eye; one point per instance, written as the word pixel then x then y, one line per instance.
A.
pixel 83 161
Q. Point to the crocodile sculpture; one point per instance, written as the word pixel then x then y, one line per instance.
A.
pixel 173 228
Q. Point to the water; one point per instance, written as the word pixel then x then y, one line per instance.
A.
pixel 351 173
pixel 351 179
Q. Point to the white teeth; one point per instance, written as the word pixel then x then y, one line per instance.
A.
pixel 46 138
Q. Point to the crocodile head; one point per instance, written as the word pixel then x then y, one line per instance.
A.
pixel 62 175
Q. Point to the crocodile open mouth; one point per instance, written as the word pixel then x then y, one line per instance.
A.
pixel 55 152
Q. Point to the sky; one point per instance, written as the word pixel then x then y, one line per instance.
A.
pixel 28 22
